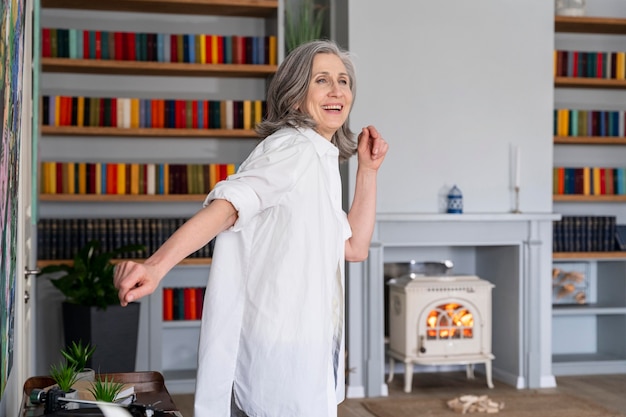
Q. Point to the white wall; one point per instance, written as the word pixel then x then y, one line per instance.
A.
pixel 453 86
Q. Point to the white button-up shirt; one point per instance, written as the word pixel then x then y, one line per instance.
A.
pixel 272 325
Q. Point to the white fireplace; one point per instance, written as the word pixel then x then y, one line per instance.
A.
pixel 511 251
pixel 439 320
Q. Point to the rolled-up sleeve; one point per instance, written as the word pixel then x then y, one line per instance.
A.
pixel 347 229
pixel 241 196
pixel 263 179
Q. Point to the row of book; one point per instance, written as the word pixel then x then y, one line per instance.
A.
pixel 131 178
pixel 568 122
pixel 585 234
pixel 60 239
pixel 151 113
pixel 183 303
pixel 589 181
pixel 584 64
pixel 158 47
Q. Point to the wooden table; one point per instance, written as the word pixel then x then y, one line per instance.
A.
pixel 149 388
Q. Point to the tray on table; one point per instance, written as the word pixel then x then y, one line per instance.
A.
pixel 149 387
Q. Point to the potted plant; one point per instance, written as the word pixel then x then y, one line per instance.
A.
pixel 64 375
pixel 77 355
pixel 304 24
pixel 91 310
pixel 105 390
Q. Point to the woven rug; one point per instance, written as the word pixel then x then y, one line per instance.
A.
pixel 527 404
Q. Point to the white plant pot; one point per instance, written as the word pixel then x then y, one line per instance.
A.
pixel 72 394
pixel 87 374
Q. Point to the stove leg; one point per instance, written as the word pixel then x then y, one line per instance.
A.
pixel 392 366
pixel 488 372
pixel 469 371
pixel 408 376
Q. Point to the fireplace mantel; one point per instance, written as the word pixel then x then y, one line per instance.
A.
pixel 513 251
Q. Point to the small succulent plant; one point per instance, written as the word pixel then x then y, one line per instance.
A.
pixel 105 390
pixel 77 354
pixel 64 375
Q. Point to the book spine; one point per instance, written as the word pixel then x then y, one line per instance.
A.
pixel 168 304
pixel 199 293
pixel 190 303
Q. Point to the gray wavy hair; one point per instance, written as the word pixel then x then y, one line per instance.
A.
pixel 288 90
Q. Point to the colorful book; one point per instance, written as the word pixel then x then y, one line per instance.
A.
pixel 168 304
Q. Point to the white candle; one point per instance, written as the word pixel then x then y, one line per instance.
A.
pixel 518 157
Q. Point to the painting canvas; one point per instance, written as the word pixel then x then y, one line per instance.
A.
pixel 11 69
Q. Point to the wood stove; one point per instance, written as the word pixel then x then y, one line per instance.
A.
pixel 439 320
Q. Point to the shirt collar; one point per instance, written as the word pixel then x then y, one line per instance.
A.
pixel 322 145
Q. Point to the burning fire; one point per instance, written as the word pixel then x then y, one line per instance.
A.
pixel 450 321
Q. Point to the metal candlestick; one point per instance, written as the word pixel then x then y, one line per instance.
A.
pixel 516 209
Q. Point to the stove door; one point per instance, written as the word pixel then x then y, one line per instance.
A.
pixel 450 327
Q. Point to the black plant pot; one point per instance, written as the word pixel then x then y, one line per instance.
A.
pixel 113 332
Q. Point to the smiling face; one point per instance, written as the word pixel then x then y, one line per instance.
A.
pixel 329 98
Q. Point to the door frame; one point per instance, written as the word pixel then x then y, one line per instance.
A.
pixel 24 329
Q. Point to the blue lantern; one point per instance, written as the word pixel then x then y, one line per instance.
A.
pixel 455 200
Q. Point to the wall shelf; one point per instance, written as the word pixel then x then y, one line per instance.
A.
pixel 586 310
pixel 588 364
pixel 581 82
pixel 177 324
pixel 579 198
pixel 249 8
pixel 188 261
pixel 585 256
pixel 122 198
pixel 148 132
pixel 586 357
pixel 590 140
pixel 590 25
pixel 183 69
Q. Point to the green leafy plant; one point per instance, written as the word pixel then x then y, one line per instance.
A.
pixel 303 25
pixel 78 354
pixel 64 375
pixel 89 280
pixel 105 390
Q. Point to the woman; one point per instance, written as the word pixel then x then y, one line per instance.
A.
pixel 272 326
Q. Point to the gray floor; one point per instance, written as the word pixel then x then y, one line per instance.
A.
pixel 606 390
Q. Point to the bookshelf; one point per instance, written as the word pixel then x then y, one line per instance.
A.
pixel 589 338
pixel 170 346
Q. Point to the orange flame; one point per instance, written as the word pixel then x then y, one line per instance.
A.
pixel 450 321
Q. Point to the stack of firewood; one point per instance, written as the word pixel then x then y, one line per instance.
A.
pixel 474 404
